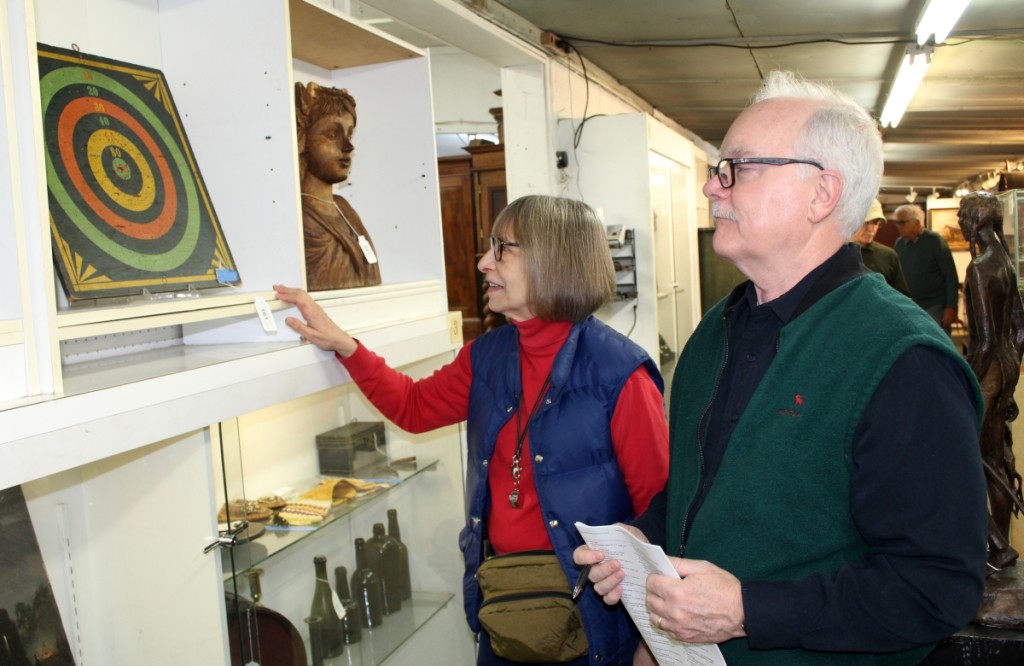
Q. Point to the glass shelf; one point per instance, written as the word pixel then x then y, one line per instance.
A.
pixel 278 538
pixel 378 643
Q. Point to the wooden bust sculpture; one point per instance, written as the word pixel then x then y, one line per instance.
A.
pixel 995 346
pixel 339 252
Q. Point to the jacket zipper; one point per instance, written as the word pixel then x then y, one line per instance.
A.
pixel 701 429
pixel 520 596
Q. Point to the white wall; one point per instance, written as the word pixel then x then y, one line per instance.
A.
pixel 463 87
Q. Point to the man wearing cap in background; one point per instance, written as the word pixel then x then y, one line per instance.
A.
pixel 928 266
pixel 878 257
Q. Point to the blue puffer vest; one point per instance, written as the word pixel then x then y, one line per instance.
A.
pixel 574 466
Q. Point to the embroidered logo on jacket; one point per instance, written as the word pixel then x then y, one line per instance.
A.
pixel 798 401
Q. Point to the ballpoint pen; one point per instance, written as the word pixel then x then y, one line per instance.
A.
pixel 581 582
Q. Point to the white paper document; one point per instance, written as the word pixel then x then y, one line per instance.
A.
pixel 638 560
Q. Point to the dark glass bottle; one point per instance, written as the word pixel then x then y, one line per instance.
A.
pixel 316 644
pixel 366 589
pixel 382 556
pixel 405 580
pixel 350 623
pixel 332 638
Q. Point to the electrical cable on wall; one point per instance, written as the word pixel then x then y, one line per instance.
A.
pixel 578 129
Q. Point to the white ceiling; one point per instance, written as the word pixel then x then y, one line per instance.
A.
pixel 699 61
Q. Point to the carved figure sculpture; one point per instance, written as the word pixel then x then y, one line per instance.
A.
pixel 995 346
pixel 339 252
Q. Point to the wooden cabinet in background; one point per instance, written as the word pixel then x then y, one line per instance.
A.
pixel 473 192
pixel 460 242
pixel 490 195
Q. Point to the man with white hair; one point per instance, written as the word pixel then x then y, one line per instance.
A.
pixel 823 506
pixel 930 269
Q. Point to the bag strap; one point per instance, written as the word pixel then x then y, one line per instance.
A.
pixel 486 541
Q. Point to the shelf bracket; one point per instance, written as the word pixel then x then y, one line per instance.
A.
pixel 227 538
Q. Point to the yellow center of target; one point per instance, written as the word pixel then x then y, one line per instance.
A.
pixel 115 144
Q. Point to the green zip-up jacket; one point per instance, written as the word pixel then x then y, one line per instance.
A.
pixel 783 488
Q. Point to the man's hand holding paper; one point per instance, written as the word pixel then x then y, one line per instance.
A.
pixel 626 575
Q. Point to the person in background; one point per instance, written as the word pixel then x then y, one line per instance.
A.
pixel 877 257
pixel 928 266
pixel 565 416
pixel 823 506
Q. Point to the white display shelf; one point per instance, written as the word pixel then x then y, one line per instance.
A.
pixel 10 332
pixel 331 40
pixel 188 388
pixel 232 76
pixel 116 413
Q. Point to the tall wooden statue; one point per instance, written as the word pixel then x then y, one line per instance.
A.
pixel 339 252
pixel 995 346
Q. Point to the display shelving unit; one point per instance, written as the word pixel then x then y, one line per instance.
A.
pixel 110 410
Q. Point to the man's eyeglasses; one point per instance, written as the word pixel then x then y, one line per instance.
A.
pixel 726 169
pixel 498 247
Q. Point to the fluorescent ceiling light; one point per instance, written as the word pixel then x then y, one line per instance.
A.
pixel 912 70
pixel 939 18
pixel 936 23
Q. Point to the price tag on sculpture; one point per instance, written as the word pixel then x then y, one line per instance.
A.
pixel 371 256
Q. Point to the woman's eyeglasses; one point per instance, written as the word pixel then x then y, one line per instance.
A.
pixel 498 247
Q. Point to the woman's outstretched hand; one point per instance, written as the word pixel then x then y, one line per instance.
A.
pixel 315 326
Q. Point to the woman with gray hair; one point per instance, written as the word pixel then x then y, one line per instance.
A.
pixel 565 416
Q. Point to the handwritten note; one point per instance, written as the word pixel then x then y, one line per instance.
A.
pixel 639 560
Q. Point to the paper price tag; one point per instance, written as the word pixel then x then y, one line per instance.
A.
pixel 339 608
pixel 371 256
pixel 265 315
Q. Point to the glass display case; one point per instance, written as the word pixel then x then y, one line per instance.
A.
pixel 278 510
pixel 114 412
pixel 1013 217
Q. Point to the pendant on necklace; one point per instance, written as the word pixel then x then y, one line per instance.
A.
pixel 513 499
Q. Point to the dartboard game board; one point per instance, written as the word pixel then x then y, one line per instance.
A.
pixel 128 207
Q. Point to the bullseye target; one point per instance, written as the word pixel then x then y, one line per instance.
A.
pixel 128 207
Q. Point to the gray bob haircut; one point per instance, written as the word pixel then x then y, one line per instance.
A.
pixel 842 136
pixel 564 245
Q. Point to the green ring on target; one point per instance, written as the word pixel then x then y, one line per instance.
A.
pixel 165 261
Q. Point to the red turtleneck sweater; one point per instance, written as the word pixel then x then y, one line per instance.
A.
pixel 639 427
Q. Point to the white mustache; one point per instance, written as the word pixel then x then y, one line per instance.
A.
pixel 718 212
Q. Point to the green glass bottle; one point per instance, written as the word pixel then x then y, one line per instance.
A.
pixel 382 557
pixel 325 606
pixel 366 589
pixel 405 580
pixel 350 623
